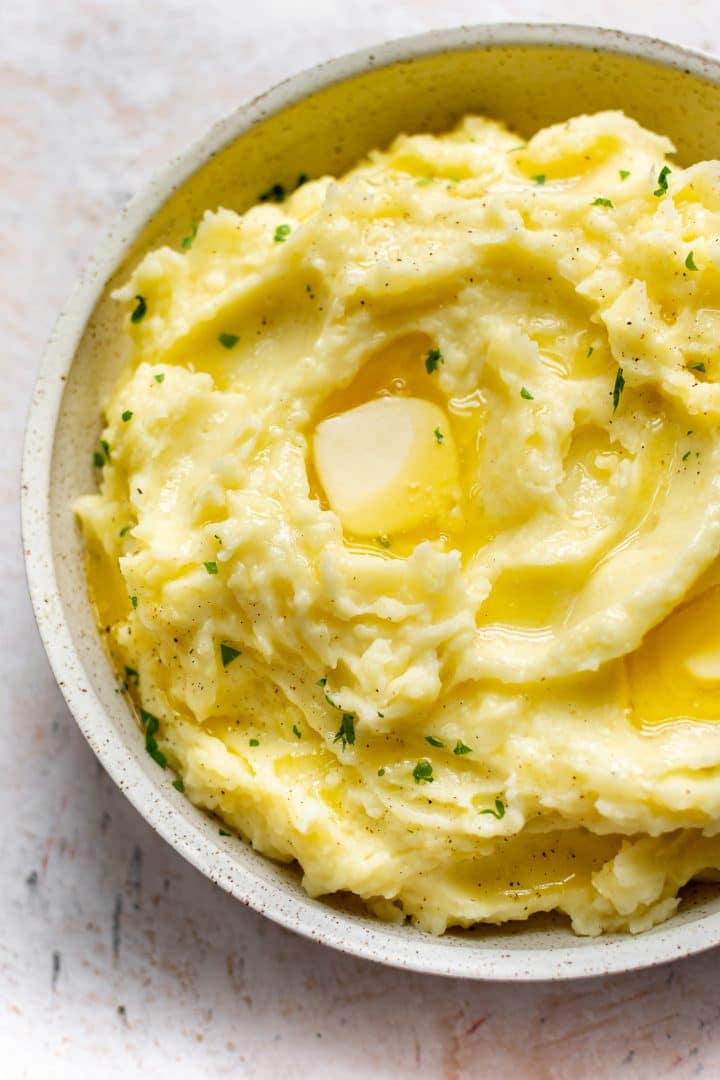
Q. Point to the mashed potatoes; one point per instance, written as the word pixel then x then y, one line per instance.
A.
pixel 409 520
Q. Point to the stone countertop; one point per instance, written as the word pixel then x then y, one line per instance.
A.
pixel 115 955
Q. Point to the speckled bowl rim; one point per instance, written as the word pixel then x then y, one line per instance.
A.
pixel 374 941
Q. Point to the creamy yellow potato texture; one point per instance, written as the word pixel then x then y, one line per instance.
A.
pixel 409 517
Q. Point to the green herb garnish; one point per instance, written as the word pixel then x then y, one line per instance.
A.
pixel 540 179
pixel 160 377
pixel 662 187
pixel 106 449
pixel 178 785
pixel 211 567
pixel 281 234
pixel 228 654
pixel 228 341
pixel 686 455
pixel 131 673
pixel 98 460
pixel 618 388
pixel 321 682
pixel 433 358
pixel 151 725
pixel 296 731
pixel 381 772
pixel 433 741
pixel 423 773
pixel 690 262
pixel 125 530
pixel 346 731
pixel 140 310
pixel 624 173
pixel 224 832
pixel 187 241
pixel 461 748
pixel 127 415
pixel 589 352
pixel 525 393
pixel 438 436
pixel 600 201
pixel 700 366
pixel 498 812
pixel 133 601
pixel 254 742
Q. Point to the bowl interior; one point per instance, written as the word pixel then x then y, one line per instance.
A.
pixel 316 124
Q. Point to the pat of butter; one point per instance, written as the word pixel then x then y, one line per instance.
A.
pixel 387 466
pixel 704 665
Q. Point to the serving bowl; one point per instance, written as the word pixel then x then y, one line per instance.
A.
pixel 322 121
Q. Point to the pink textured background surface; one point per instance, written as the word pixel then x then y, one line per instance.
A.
pixel 115 956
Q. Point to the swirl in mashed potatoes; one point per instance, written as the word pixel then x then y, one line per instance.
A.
pixel 409 518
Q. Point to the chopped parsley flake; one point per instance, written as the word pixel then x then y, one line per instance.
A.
pixel 228 654
pixel 423 773
pixel 381 772
pixel 624 173
pixel 498 812
pixel 601 201
pixel 275 193
pixel 131 673
pixel 346 731
pixel 140 310
pixel 539 179
pixel 224 832
pixel 160 377
pixel 178 785
pixel 461 748
pixel 662 187
pixel 321 682
pixel 211 567
pixel 690 262
pixel 281 234
pixel 125 530
pixel 187 241
pixel 228 341
pixel 433 741
pixel 424 180
pixel 127 415
pixel 618 388
pixel 331 702
pixel 438 436
pixel 253 742
pixel 98 460
pixel 697 367
pixel 106 449
pixel 151 725
pixel 296 731
pixel 133 601
pixel 525 393
pixel 686 455
pixel 590 351
pixel 433 358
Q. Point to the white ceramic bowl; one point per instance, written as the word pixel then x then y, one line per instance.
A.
pixel 322 121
